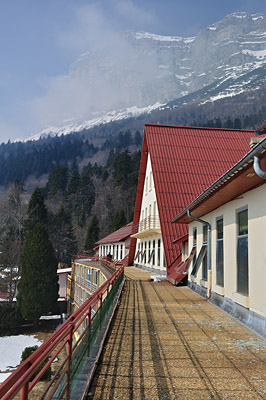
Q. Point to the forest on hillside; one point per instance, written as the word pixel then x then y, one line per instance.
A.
pixel 34 159
pixel 86 182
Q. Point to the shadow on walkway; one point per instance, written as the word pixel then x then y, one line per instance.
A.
pixel 167 342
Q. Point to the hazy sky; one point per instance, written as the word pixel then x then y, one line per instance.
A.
pixel 40 39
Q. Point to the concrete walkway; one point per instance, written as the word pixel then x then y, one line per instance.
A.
pixel 167 342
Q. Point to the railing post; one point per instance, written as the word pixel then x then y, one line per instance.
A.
pixel 89 328
pixel 69 360
pixel 25 391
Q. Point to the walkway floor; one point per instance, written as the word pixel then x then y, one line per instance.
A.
pixel 167 342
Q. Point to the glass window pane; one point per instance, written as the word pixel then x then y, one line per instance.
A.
pixel 243 222
pixel 242 265
pixel 219 227
pixel 219 263
pixel 205 233
pixel 194 236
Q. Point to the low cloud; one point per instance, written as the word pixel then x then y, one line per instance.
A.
pixel 128 10
pixel 94 80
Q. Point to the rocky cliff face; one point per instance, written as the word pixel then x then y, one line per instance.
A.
pixel 151 68
pixel 143 71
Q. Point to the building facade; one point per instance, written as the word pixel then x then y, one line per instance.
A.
pixel 234 211
pixel 116 245
pixel 86 277
pixel 177 164
pixel 149 245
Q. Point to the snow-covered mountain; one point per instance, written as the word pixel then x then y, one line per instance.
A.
pixel 147 70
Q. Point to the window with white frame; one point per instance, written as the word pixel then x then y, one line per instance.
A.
pixel 195 252
pixel 204 259
pixel 220 251
pixel 242 251
pixel 78 272
pixel 95 276
pixel 87 277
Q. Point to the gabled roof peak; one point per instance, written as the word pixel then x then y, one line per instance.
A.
pixel 185 161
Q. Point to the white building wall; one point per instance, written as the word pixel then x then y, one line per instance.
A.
pixel 149 212
pixel 62 282
pixel 255 201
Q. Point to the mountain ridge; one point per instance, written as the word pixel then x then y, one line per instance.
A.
pixel 154 71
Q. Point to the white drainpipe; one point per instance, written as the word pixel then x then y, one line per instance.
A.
pixel 257 168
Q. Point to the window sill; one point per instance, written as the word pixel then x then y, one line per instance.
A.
pixel 241 299
pixel 219 290
pixel 204 283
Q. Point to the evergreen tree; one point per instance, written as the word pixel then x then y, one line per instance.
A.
pixel 37 211
pixel 237 123
pixel 111 157
pixel 105 175
pixel 218 123
pixel 228 123
pixel 62 236
pixel 38 287
pixel 80 216
pixel 58 178
pixel 119 219
pixel 92 234
pixel 74 183
pixel 86 192
pixel 74 165
pixel 138 139
pixel 122 168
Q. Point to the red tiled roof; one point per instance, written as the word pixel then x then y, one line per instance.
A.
pixel 234 183
pixel 185 161
pixel 119 235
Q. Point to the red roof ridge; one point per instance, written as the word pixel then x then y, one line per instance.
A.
pixel 117 235
pixel 200 127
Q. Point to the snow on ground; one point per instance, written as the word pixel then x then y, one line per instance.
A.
pixel 49 317
pixel 11 348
